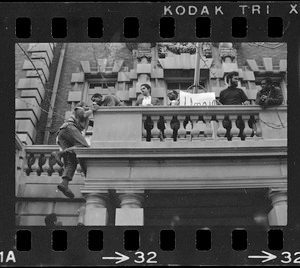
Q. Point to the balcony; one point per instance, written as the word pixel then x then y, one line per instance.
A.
pixel 139 167
pixel 119 139
pixel 125 126
pixel 125 156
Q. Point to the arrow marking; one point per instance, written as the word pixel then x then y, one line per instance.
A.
pixel 120 259
pixel 268 256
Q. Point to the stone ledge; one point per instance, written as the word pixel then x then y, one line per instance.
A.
pixel 77 78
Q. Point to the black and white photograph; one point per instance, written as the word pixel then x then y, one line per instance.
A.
pixel 144 134
pixel 150 134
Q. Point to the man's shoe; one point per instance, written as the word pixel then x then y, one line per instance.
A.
pixel 65 190
pixel 57 156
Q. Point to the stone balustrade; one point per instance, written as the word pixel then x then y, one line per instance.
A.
pixel 189 124
pixel 172 127
pixel 40 162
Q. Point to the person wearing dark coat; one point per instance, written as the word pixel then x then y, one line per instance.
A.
pixel 269 95
pixel 233 95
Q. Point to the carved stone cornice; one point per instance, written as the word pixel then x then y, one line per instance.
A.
pixel 146 55
pixel 176 48
pixel 144 52
pixel 227 51
pixel 206 49
pixel 191 150
pixel 196 183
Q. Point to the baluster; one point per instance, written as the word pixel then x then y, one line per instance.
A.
pixel 247 130
pixel 221 132
pixel 46 165
pixel 155 132
pixel 202 127
pixel 161 125
pixel 234 132
pixel 181 130
pixel 30 161
pixel 144 132
pixel 175 125
pixel 188 128
pixel 208 132
pixel 51 162
pixel 41 162
pixel 195 131
pixel 168 130
pixel 35 165
pixel 56 167
pixel 257 127
pixel 148 124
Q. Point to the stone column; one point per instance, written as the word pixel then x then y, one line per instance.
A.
pixel 95 209
pixel 278 214
pixel 131 212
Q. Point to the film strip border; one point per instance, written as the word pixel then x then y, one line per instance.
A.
pixel 38 28
pixel 167 26
pixel 156 21
pixel 151 246
pixel 166 240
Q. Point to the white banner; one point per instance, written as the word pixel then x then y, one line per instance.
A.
pixel 189 99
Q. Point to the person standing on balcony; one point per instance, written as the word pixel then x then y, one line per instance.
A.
pixel 69 136
pixel 233 95
pixel 269 95
pixel 173 97
pixel 147 100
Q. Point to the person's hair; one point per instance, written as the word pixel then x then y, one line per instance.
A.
pixel 174 92
pixel 81 104
pixel 147 86
pixel 50 219
pixel 268 80
pixel 96 95
pixel 230 75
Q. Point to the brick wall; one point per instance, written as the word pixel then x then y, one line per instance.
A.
pixel 76 52
pixel 248 51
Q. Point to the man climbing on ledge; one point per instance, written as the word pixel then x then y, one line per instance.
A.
pixel 69 136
